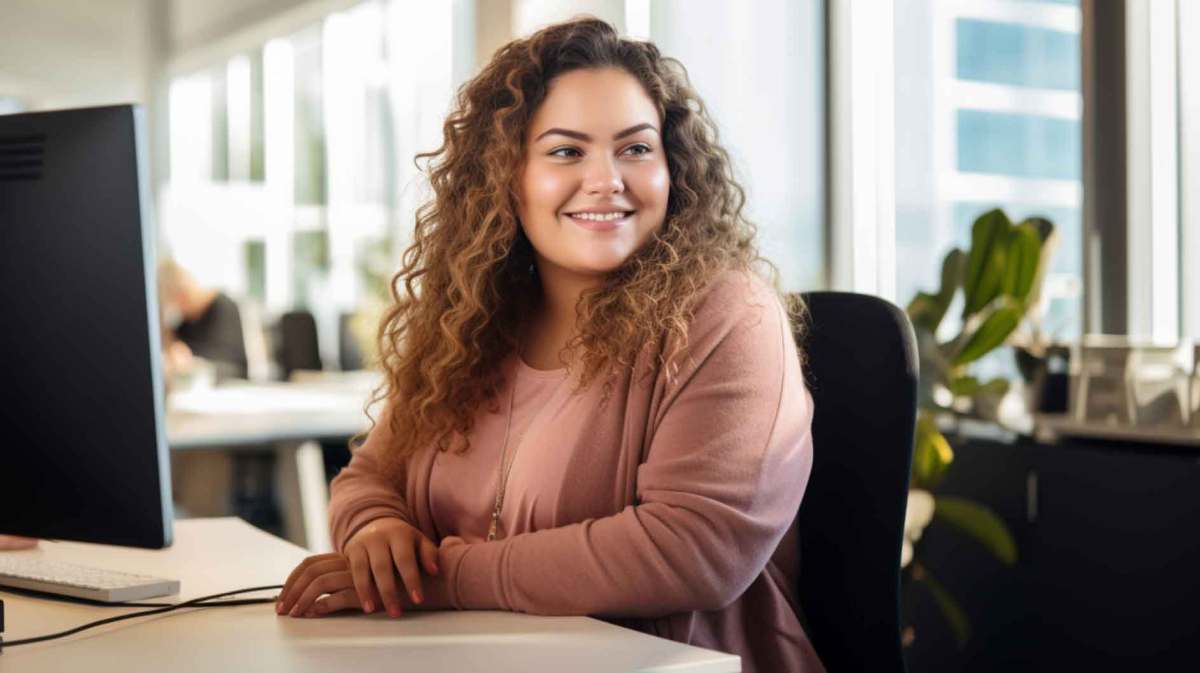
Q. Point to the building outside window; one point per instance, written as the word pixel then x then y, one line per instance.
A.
pixel 988 114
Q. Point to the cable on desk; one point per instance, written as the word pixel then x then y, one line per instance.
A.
pixel 201 602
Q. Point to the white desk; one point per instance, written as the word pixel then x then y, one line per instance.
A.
pixel 264 413
pixel 214 555
pixel 288 418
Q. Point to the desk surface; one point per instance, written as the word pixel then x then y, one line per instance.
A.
pixel 267 413
pixel 215 555
pixel 1052 426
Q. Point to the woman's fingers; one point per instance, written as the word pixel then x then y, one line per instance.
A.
pixel 406 565
pixel 429 554
pixel 384 573
pixel 328 583
pixel 346 599
pixel 308 570
pixel 364 585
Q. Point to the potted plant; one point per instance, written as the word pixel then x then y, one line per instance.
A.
pixel 999 278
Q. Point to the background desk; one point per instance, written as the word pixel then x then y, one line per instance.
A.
pixel 287 418
pixel 214 555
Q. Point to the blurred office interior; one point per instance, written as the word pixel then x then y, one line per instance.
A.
pixel 870 137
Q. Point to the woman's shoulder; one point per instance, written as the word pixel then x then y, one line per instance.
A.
pixel 733 297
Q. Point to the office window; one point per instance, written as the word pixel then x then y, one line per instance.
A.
pixel 988 114
pixel 291 164
pixel 1018 145
pixel 309 122
pixel 1189 167
pixel 1017 55
pixel 759 67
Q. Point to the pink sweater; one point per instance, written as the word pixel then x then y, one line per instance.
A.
pixel 670 510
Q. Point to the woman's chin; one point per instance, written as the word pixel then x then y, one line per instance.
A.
pixel 602 266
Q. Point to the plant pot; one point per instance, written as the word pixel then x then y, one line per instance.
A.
pixel 1047 378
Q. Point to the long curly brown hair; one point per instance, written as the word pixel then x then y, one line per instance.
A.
pixel 467 282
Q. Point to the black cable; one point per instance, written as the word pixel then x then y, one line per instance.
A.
pixel 201 602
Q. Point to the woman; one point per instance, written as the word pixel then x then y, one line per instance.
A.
pixel 594 406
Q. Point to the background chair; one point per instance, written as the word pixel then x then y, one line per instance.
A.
pixel 862 371
pixel 298 347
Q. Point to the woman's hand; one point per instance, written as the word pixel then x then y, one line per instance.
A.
pixel 374 556
pixel 382 549
pixel 320 585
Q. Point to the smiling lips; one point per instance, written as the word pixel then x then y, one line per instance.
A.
pixel 601 221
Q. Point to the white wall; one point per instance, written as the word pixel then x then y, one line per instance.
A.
pixel 530 15
pixel 195 23
pixel 74 53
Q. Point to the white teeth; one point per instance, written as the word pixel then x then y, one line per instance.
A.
pixel 599 217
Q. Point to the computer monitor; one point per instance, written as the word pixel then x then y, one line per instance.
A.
pixel 83 449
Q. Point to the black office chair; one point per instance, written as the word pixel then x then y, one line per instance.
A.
pixel 862 371
pixel 298 347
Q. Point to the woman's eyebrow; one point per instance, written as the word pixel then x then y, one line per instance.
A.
pixel 587 139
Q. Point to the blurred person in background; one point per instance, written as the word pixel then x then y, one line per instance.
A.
pixel 198 323
pixel 202 344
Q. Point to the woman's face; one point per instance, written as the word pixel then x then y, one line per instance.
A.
pixel 595 181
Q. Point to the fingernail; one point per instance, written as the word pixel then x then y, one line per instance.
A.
pixel 295 611
pixel 416 595
pixel 435 569
pixel 395 612
pixel 368 607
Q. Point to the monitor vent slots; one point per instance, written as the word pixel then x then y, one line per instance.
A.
pixel 21 157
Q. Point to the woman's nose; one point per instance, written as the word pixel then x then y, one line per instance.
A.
pixel 603 178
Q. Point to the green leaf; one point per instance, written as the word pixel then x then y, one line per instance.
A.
pixel 994 330
pixel 932 454
pixel 928 309
pixel 964 385
pixel 924 311
pixel 1043 226
pixel 955 617
pixel 984 275
pixel 1049 240
pixel 980 523
pixel 997 386
pixel 1024 253
pixel 954 265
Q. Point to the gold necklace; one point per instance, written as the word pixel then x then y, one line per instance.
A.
pixel 502 480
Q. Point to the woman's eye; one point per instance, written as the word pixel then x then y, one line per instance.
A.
pixel 555 153
pixel 643 149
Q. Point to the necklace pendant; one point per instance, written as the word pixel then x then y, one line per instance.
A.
pixel 492 529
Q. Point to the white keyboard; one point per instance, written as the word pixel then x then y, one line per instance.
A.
pixel 34 573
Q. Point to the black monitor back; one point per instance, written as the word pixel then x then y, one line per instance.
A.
pixel 83 451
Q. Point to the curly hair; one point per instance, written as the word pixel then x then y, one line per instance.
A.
pixel 467 281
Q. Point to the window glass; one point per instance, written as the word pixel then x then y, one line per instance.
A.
pixel 1010 53
pixel 1018 145
pixel 759 67
pixel 988 114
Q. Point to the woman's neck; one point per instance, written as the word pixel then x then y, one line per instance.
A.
pixel 554 322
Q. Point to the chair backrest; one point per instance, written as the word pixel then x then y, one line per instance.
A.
pixel 298 348
pixel 862 371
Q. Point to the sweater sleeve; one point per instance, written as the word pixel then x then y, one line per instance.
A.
pixel 721 482
pixel 360 493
